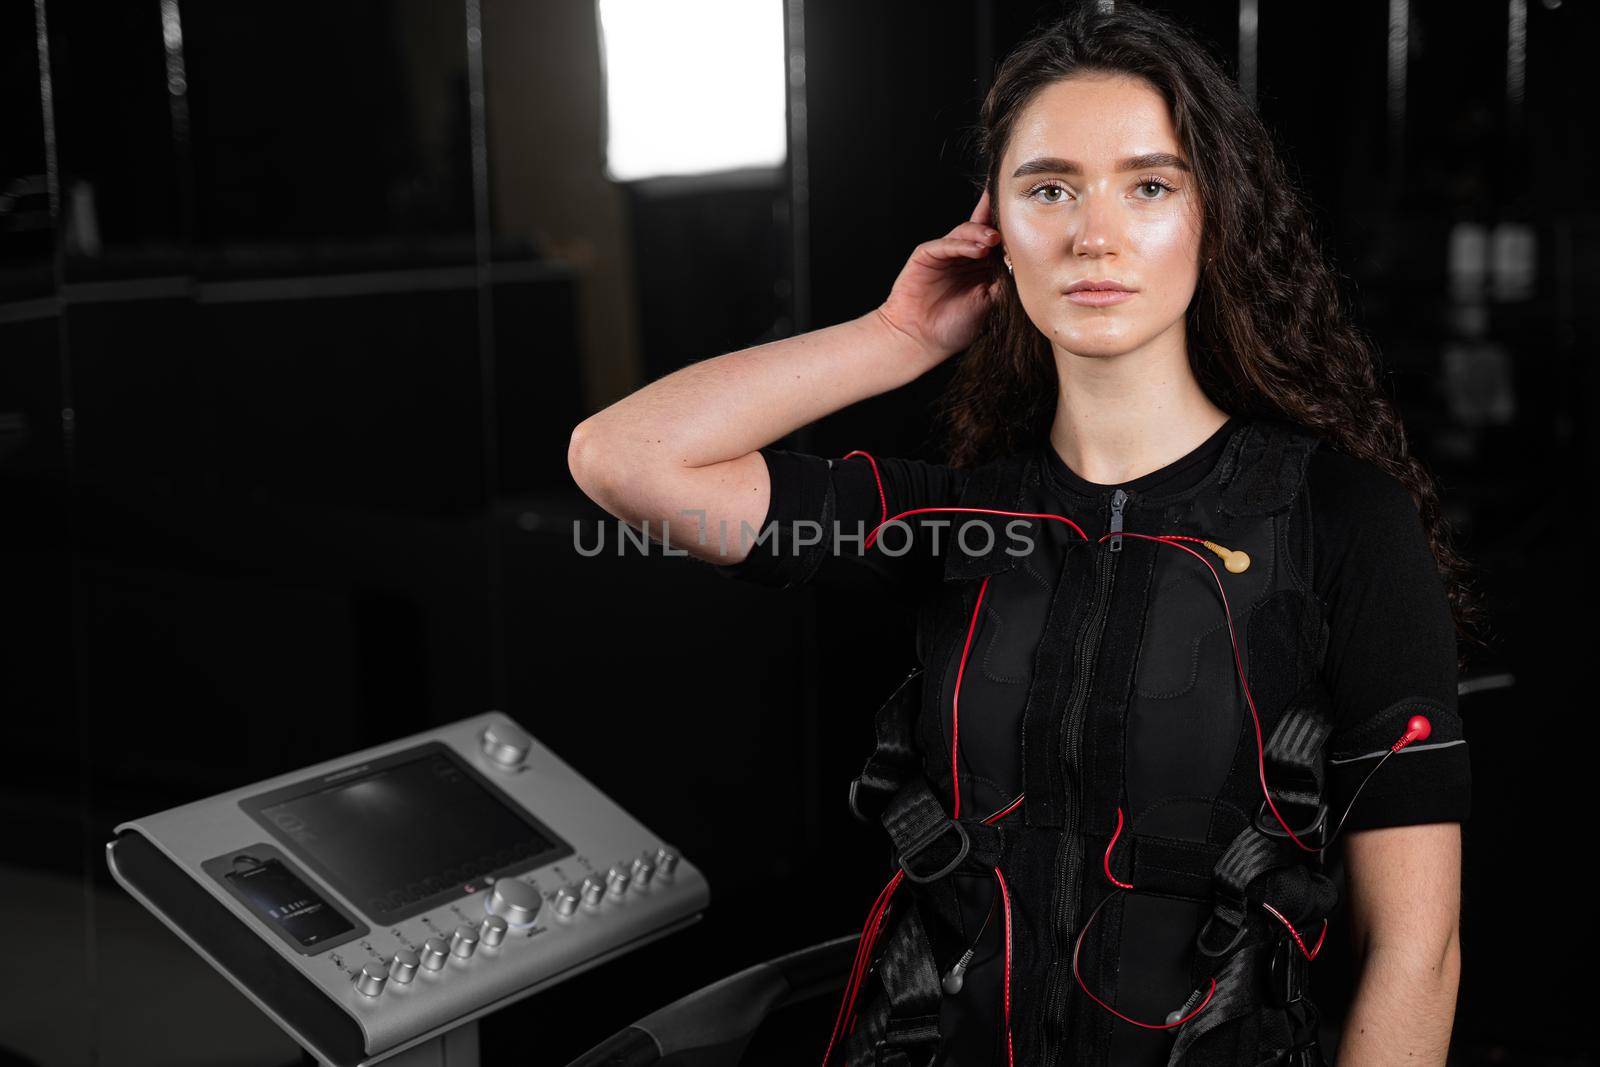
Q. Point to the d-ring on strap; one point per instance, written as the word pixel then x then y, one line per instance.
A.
pixel 925 836
pixel 916 848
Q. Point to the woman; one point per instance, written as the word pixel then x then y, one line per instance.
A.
pixel 1184 604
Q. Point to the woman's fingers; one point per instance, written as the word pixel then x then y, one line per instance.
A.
pixel 953 246
pixel 981 212
pixel 976 231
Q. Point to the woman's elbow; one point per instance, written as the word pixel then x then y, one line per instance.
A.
pixel 592 460
pixel 1431 960
pixel 1450 965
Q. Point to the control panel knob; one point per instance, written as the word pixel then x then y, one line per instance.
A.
pixel 371 980
pixel 464 942
pixel 566 901
pixel 515 902
pixel 643 872
pixel 506 745
pixel 434 953
pixel 493 930
pixel 666 862
pixel 617 881
pixel 403 967
pixel 592 890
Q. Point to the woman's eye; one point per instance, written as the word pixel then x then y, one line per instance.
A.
pixel 1159 187
pixel 1050 189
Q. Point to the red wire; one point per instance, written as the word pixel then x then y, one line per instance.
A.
pixel 1310 955
pixel 955 702
pixel 1005 897
pixel 1167 539
pixel 1148 1026
pixel 1114 836
pixel 883 499
pixel 1003 812
pixel 877 915
pixel 863 959
pixel 873 536
pixel 1255 717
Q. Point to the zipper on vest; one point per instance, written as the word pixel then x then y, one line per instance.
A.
pixel 1118 499
pixel 1068 863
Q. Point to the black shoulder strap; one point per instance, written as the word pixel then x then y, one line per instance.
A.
pixel 1263 473
pixel 894 756
pixel 892 789
pixel 899 1027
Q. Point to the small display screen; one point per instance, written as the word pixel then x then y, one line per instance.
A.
pixel 279 896
pixel 401 835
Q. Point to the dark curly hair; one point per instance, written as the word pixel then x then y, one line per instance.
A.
pixel 1289 351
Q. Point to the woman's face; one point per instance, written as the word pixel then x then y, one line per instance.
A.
pixel 1094 187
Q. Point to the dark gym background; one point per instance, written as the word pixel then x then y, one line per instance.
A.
pixel 299 305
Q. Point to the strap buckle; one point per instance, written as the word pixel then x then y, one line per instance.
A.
pixel 924 842
pixel 1286 973
pixel 1240 928
pixel 912 1042
pixel 1314 833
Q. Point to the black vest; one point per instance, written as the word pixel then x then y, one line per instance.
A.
pixel 1131 711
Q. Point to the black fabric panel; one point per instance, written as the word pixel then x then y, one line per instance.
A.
pixel 1102 791
pixel 270 979
pixel 1044 778
pixel 1104 722
pixel 1032 864
pixel 1166 865
pixel 1156 949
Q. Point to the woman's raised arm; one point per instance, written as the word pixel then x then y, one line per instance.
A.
pixel 682 450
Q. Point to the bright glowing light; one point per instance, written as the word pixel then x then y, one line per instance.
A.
pixel 692 86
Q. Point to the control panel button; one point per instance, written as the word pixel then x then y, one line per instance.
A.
pixel 515 902
pixel 643 871
pixel 493 930
pixel 506 745
pixel 434 953
pixel 464 942
pixel 592 890
pixel 566 901
pixel 666 862
pixel 617 879
pixel 371 980
pixel 403 967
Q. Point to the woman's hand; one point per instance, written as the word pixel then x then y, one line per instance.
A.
pixel 946 287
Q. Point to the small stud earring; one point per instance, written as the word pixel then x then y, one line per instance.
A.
pixel 1008 268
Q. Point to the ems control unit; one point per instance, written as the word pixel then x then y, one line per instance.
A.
pixel 372 904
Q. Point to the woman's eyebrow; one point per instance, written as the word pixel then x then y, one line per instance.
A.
pixel 1054 165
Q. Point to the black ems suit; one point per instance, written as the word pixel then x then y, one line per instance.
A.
pixel 1099 682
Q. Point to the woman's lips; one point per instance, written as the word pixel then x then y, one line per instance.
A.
pixel 1099 298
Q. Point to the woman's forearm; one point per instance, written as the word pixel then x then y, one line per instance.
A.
pixel 730 405
pixel 686 445
pixel 1403 1011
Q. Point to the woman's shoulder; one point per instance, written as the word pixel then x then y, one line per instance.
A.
pixel 1366 527
pixel 1355 490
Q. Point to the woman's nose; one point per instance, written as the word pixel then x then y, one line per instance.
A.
pixel 1096 235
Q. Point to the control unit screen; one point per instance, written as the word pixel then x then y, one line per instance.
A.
pixel 401 835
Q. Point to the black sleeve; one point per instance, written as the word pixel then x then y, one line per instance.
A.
pixel 821 512
pixel 1391 650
